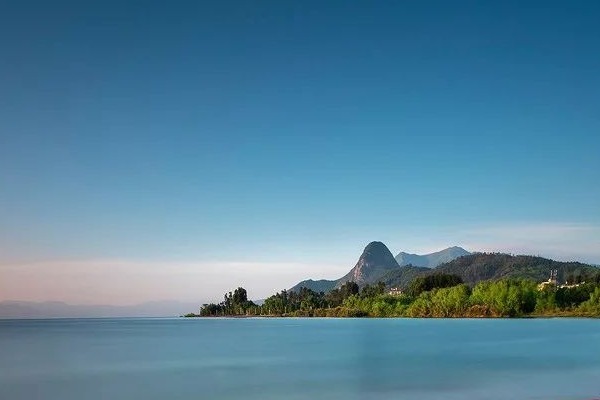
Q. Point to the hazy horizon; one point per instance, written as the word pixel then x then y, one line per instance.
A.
pixel 146 281
pixel 174 152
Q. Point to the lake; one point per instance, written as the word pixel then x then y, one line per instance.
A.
pixel 280 358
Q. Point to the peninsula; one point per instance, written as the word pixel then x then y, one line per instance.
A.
pixel 450 283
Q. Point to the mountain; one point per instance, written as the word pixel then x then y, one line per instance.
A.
pixel 378 264
pixel 431 260
pixel 55 309
pixel 375 261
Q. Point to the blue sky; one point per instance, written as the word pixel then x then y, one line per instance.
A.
pixel 290 134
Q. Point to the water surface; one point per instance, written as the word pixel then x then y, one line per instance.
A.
pixel 273 358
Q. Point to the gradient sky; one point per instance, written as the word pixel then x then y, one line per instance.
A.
pixel 156 150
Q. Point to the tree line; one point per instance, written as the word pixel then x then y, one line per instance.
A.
pixel 436 295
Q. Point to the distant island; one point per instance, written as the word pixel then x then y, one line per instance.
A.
pixel 447 284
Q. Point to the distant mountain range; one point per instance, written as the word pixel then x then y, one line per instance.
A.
pixel 377 264
pixel 431 260
pixel 54 309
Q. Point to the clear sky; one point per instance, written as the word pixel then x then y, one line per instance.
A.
pixel 174 150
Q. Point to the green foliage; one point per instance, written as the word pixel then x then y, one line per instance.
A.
pixel 285 302
pixel 372 291
pixel 235 303
pixel 567 297
pixel 379 305
pixel 212 310
pixel 546 301
pixel 500 298
pixel 592 305
pixel 402 277
pixel 422 305
pixel 506 298
pixel 479 267
pixel 582 276
pixel 444 303
pixel 240 296
pixel 336 297
pixel 429 282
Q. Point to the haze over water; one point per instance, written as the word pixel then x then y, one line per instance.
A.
pixel 264 359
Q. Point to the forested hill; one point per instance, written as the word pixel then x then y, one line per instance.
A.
pixel 403 276
pixel 478 267
pixel 376 264
pixel 485 266
pixel 476 285
pixel 375 261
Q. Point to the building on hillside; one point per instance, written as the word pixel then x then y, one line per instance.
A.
pixel 553 282
pixel 550 283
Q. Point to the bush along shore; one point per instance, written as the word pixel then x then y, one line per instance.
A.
pixel 433 296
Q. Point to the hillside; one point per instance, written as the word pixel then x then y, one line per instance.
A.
pixel 403 276
pixel 484 266
pixel 322 285
pixel 377 263
pixel 478 267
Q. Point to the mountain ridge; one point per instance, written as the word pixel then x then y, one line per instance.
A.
pixel 471 267
pixel 431 260
pixel 489 266
pixel 377 262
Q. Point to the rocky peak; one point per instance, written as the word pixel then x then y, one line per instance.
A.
pixel 374 261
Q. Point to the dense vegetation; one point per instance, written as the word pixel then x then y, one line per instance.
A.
pixel 485 266
pixel 429 282
pixel 235 303
pixel 438 295
pixel 471 268
pixel 478 267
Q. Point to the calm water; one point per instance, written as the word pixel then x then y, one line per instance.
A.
pixel 299 359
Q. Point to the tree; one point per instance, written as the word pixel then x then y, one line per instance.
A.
pixel 372 291
pixel 546 300
pixel 573 296
pixel 429 282
pixel 507 297
pixel 240 296
pixel 348 289
pixel 592 305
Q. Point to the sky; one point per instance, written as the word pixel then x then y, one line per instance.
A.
pixel 154 150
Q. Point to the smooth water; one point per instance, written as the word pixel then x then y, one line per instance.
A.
pixel 299 359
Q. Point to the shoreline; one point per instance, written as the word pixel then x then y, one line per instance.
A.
pixel 399 317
